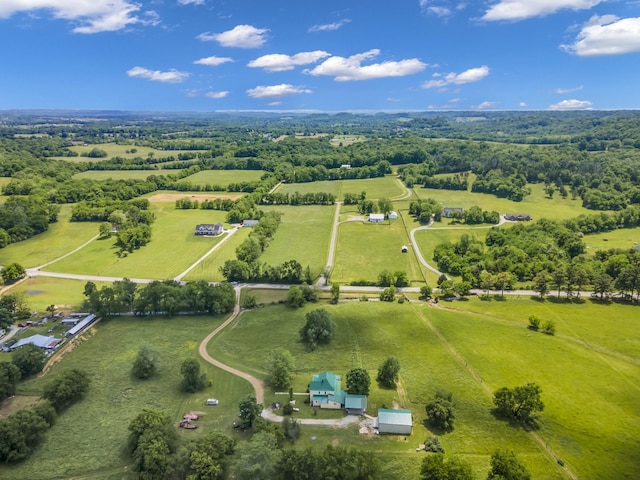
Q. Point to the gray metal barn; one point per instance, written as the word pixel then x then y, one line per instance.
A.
pixel 397 422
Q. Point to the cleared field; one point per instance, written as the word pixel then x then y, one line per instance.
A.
pixel 591 395
pixel 164 196
pixel 536 204
pixel 172 249
pixel 623 238
pixel 40 292
pixel 345 140
pixel 116 174
pixel 382 187
pixel 209 269
pixel 304 235
pixel 89 438
pixel 62 237
pixel 366 334
pixel 222 177
pixel 365 249
pixel 124 151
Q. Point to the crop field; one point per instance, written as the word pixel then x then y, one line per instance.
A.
pixel 116 150
pixel 304 235
pixel 381 187
pixel 62 237
pixel 223 177
pixel 590 390
pixel 209 268
pixel 172 249
pixel 365 249
pixel 366 334
pixel 89 438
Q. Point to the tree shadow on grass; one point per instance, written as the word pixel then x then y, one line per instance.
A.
pixel 436 429
pixel 531 424
pixel 538 298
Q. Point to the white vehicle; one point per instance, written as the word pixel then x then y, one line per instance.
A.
pixel 212 401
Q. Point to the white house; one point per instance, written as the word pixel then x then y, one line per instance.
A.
pixel 393 215
pixel 376 217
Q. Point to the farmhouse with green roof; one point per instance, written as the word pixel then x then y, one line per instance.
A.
pixel 325 391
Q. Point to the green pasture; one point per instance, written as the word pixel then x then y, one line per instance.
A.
pixel 117 150
pixel 537 204
pixel 62 237
pixel 173 248
pixel 623 238
pixel 366 334
pixel 209 268
pixel 590 390
pixel 304 235
pixel 40 292
pixel 89 439
pixel 116 174
pixel 365 249
pixel 346 140
pixel 223 177
pixel 381 187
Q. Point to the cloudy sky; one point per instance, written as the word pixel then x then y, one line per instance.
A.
pixel 330 55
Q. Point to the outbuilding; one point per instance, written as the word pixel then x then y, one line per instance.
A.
pixel 398 422
pixel 393 215
pixel 40 341
pixel 376 217
pixel 249 223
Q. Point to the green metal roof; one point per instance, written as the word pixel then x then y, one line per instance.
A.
pixel 355 402
pixel 325 382
pixel 394 417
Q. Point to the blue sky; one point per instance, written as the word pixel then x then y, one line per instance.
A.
pixel 206 55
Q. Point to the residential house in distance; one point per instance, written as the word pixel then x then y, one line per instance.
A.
pixel 398 422
pixel 376 217
pixel 392 215
pixel 325 391
pixel 209 229
pixel 517 217
pixel 449 212
pixel 346 166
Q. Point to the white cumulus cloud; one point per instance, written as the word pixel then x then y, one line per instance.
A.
pixel 326 27
pixel 217 95
pixel 485 106
pixel 170 76
pixel 191 2
pixel 564 91
pixel 213 61
pixel 351 68
pixel 91 16
pixel 468 76
pixel 276 91
pixel 514 10
pixel 570 105
pixel 607 35
pixel 278 62
pixel 240 36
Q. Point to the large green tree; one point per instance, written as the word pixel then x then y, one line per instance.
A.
pixel 440 412
pixel 358 381
pixel 249 409
pixel 506 466
pixel 67 389
pixel 29 359
pixel 439 467
pixel 389 372
pixel 192 379
pixel 520 402
pixel 12 272
pixel 318 329
pixel 258 458
pixel 282 366
pixel 9 377
pixel 145 364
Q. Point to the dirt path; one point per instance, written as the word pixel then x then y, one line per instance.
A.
pixel 546 448
pixel 322 281
pixel 257 384
pixel 229 234
pixel 407 192
pixel 67 254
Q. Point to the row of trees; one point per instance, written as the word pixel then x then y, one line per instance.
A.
pixel 166 297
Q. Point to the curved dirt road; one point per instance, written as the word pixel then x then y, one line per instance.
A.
pixel 257 384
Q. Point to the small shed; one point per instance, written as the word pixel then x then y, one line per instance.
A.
pixel 393 215
pixel 398 422
pixel 404 249
pixel 376 217
pixel 249 223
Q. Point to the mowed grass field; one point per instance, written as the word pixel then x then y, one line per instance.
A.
pixel 62 237
pixel 382 187
pixel 209 268
pixel 623 238
pixel 588 373
pixel 40 292
pixel 118 174
pixel 223 177
pixel 89 439
pixel 173 248
pixel 365 249
pixel 366 334
pixel 116 150
pixel 303 235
